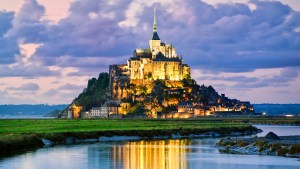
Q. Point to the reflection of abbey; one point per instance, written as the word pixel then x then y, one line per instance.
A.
pixel 159 61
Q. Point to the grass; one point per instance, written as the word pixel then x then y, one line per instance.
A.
pixel 18 134
pixel 23 126
pixel 265 120
pixel 14 126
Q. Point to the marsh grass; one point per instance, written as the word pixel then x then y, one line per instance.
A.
pixel 18 134
pixel 61 125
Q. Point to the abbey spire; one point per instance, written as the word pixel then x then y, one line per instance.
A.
pixel 154 22
pixel 155 34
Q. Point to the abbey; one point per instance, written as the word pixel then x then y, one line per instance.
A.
pixel 154 83
pixel 159 61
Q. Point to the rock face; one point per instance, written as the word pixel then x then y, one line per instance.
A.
pixel 272 136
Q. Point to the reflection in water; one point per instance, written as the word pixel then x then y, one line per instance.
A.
pixel 151 154
pixel 158 154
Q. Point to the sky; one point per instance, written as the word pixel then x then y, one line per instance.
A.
pixel 247 49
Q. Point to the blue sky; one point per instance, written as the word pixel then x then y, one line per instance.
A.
pixel 247 49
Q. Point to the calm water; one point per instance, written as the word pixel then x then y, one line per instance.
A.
pixel 157 154
pixel 280 130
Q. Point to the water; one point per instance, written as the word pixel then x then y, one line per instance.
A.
pixel 25 117
pixel 144 154
pixel 280 130
pixel 278 109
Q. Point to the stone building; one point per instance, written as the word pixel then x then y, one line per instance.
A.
pixel 95 112
pixel 189 109
pixel 159 61
pixel 108 109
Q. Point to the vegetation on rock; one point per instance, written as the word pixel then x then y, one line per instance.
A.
pixel 95 94
pixel 151 95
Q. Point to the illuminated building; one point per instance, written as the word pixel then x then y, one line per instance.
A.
pixel 159 61
pixel 73 111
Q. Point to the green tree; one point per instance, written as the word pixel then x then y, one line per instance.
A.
pixel 158 90
pixel 95 94
pixel 137 110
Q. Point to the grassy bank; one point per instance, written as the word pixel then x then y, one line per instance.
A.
pixel 17 126
pixel 281 120
pixel 60 125
pixel 22 134
pixel 18 134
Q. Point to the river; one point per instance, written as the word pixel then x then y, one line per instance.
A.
pixel 156 154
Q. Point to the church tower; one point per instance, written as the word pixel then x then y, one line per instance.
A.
pixel 154 43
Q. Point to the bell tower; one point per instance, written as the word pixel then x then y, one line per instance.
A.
pixel 154 43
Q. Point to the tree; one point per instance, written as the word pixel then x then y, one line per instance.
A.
pixel 158 90
pixel 137 110
pixel 143 90
pixel 95 94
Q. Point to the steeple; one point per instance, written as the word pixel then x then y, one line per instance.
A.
pixel 154 21
pixel 155 35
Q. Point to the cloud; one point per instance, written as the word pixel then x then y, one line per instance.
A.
pixel 230 78
pixel 282 79
pixel 8 99
pixel 51 93
pixel 222 40
pixel 69 96
pixel 8 46
pixel 21 70
pixel 224 37
pixel 3 93
pixel 69 86
pixel 88 71
pixel 244 40
pixel 25 87
pixel 83 62
pixel 25 26
pixel 59 94
pixel 28 24
pixel 6 21
pixel 98 36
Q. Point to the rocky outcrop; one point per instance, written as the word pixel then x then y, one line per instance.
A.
pixel 271 144
pixel 272 136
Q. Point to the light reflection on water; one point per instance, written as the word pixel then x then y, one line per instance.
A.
pixel 145 154
pixel 150 154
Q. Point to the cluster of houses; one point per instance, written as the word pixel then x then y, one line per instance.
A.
pixel 222 106
pixel 185 109
pixel 109 109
